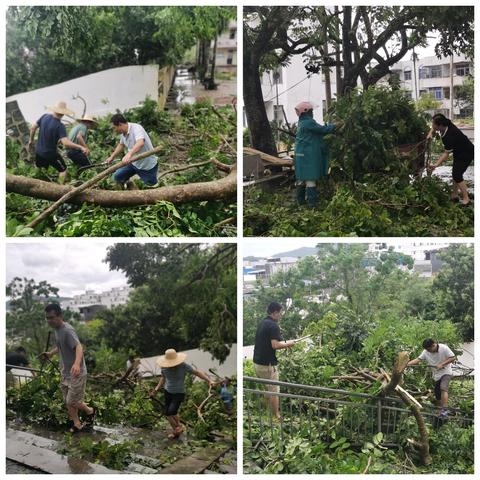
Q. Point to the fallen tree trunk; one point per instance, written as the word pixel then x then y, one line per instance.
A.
pixel 423 445
pixel 270 159
pixel 222 188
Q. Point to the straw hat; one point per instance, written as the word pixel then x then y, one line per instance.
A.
pixel 61 109
pixel 171 358
pixel 87 118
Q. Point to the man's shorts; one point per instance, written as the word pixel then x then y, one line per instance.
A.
pixel 78 158
pixel 148 177
pixel 56 161
pixel 73 389
pixel 269 372
pixel 442 385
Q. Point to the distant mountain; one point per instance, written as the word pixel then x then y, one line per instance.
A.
pixel 298 252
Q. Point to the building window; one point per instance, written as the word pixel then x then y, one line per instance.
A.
pixel 230 57
pixel 407 75
pixel 446 93
pixel 462 70
pixel 437 93
pixel 233 33
pixel 436 71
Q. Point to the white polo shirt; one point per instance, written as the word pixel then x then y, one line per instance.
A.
pixel 136 132
pixel 435 358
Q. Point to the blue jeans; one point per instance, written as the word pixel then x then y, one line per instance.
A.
pixel 148 177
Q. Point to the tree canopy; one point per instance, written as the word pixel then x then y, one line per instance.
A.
pixel 360 43
pixel 185 297
pixel 370 301
pixel 51 44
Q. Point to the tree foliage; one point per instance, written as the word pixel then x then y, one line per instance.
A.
pixel 49 44
pixel 361 43
pixel 454 288
pixel 361 309
pixel 196 136
pixel 25 321
pixel 185 298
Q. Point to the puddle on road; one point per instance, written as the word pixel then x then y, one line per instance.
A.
pixel 187 90
pixel 154 444
pixel 445 173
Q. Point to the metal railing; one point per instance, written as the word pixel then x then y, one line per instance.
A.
pixel 328 413
pixel 17 375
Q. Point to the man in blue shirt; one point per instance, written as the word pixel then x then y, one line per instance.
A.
pixel 51 132
pixel 136 140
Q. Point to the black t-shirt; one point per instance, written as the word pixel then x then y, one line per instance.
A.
pixel 15 358
pixel 263 353
pixel 455 140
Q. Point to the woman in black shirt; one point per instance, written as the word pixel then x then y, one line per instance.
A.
pixel 456 142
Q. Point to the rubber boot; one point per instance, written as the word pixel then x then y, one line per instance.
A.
pixel 312 197
pixel 301 194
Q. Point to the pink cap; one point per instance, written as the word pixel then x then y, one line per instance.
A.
pixel 303 107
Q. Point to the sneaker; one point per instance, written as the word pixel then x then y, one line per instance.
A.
pixel 444 412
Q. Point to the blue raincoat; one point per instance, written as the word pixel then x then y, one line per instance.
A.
pixel 311 150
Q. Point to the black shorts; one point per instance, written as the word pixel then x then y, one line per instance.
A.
pixel 56 161
pixel 172 402
pixel 78 158
pixel 460 165
pixel 442 384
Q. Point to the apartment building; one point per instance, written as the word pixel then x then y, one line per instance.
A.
pixel 433 75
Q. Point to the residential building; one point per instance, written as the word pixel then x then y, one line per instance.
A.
pixel 431 75
pixel 226 57
pixel 90 302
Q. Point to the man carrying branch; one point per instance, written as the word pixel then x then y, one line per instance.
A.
pixel 135 139
pixel 439 357
pixel 52 132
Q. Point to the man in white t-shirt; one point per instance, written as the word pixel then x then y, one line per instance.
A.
pixel 439 357
pixel 135 139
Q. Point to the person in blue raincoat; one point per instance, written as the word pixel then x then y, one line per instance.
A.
pixel 311 153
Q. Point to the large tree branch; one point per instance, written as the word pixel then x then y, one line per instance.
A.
pixel 191 192
pixel 423 445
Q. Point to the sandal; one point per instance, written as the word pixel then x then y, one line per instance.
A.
pixel 89 419
pixel 176 434
pixel 75 430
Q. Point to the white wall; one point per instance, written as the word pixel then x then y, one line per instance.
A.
pixel 200 359
pixel 104 92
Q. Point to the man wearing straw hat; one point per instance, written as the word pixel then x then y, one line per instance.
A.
pixel 79 136
pixel 51 132
pixel 174 370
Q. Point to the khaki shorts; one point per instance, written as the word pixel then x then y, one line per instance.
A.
pixel 73 389
pixel 269 372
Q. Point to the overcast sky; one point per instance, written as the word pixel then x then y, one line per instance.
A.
pixel 71 266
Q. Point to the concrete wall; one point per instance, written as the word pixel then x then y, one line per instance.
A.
pixel 105 92
pixel 198 358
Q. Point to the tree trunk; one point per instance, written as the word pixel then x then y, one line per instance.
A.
pixel 349 82
pixel 397 376
pixel 258 124
pixel 338 67
pixel 192 192
pixel 214 55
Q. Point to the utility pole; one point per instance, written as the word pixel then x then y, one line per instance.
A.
pixel 276 77
pixel 451 87
pixel 414 58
